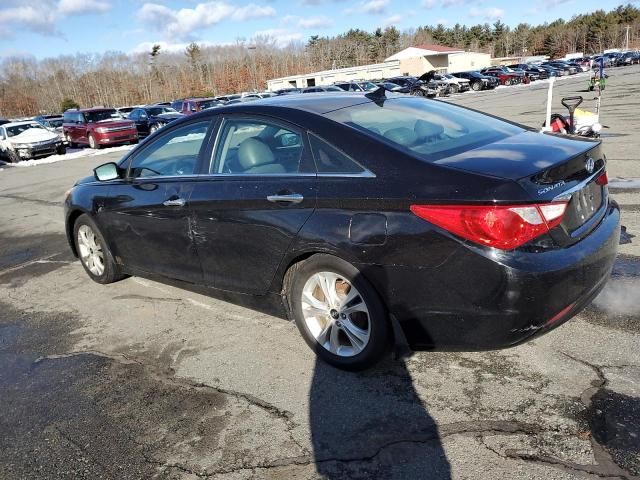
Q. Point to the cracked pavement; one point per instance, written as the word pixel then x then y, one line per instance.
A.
pixel 140 379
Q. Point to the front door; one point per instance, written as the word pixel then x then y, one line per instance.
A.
pixel 150 224
pixel 260 192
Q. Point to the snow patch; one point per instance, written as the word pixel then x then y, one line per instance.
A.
pixel 71 154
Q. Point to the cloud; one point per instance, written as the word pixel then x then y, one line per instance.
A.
pixel 374 6
pixel 279 36
pixel 253 11
pixel 82 6
pixel 319 21
pixel 185 22
pixel 444 3
pixel 489 13
pixel 43 16
pixel 393 20
pixel 38 20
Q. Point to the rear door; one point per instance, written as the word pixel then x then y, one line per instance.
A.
pixel 260 191
pixel 150 227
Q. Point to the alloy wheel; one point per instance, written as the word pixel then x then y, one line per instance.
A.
pixel 336 314
pixel 90 250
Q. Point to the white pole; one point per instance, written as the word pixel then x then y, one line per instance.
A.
pixel 547 127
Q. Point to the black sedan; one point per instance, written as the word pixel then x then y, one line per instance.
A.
pixel 478 81
pixel 368 219
pixel 153 117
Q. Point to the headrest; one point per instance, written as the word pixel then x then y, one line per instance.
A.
pixel 253 153
pixel 403 136
pixel 426 129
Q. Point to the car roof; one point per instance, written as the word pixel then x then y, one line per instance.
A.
pixel 319 103
pixel 15 124
pixel 90 109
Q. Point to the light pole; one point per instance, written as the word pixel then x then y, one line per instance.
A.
pixel 253 66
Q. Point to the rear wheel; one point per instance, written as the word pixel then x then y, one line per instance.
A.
pixel 338 313
pixel 94 253
pixel 92 142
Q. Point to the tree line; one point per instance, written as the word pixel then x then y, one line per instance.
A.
pixel 29 86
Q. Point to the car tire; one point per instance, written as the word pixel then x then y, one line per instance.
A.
pixel 476 86
pixel 92 142
pixel 454 88
pixel 12 157
pixel 507 82
pixel 153 128
pixel 61 150
pixel 93 252
pixel 349 340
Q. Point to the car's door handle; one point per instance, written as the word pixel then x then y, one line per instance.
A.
pixel 289 198
pixel 174 202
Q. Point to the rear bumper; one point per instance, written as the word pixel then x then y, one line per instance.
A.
pixel 478 299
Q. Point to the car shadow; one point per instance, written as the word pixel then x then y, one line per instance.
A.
pixel 373 424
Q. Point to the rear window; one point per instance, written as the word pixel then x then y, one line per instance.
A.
pixel 429 129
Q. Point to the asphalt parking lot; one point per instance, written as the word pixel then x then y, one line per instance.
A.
pixel 140 379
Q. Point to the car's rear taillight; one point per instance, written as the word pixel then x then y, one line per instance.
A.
pixel 603 179
pixel 499 226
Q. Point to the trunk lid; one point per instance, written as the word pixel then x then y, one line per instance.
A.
pixel 547 167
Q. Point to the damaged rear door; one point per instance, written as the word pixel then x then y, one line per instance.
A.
pixel 150 225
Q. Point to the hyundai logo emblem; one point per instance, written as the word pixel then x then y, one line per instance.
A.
pixel 589 164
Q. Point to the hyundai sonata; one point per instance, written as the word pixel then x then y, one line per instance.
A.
pixel 373 219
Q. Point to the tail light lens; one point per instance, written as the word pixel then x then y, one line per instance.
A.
pixel 603 179
pixel 500 226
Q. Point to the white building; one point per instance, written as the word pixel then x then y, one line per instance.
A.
pixel 423 58
pixel 410 61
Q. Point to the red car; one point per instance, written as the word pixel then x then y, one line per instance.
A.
pixel 97 127
pixel 194 105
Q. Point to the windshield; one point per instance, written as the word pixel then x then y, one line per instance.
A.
pixel 53 122
pixel 18 129
pixel 100 115
pixel 368 86
pixel 160 110
pixel 208 104
pixel 428 129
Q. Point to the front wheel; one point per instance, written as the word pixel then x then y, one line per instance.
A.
pixel 153 128
pixel 507 82
pixel 93 252
pixel 338 312
pixel 454 89
pixel 476 86
pixel 92 142
pixel 61 150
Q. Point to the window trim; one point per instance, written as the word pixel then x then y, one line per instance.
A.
pixel 366 173
pixel 203 148
pixel 305 158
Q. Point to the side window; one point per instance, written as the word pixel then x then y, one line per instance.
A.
pixel 330 160
pixel 256 147
pixel 175 153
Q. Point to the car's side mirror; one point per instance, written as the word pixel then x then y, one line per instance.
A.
pixel 107 171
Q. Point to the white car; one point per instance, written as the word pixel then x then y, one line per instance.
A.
pixel 456 84
pixel 25 140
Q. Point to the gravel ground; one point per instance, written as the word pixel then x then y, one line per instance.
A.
pixel 140 379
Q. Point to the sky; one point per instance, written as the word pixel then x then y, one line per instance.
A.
pixel 49 28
